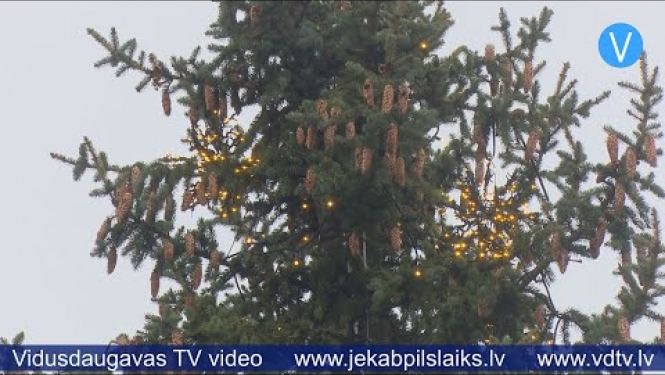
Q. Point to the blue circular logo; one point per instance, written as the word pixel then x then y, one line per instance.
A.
pixel 620 45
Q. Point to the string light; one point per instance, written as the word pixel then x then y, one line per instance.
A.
pixel 418 273
pixel 330 203
pixel 423 45
pixel 296 263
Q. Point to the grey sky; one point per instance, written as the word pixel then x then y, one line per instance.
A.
pixel 52 96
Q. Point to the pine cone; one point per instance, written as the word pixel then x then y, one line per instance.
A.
pixel 254 14
pixel 400 172
pixel 300 136
pixel 528 75
pixel 169 251
pixel 562 262
pixel 354 244
pixel 624 328
pixel 540 316
pixel 392 139
pixel 599 237
pixel 391 165
pixel 631 163
pixel 625 258
pixel 104 230
pixel 388 99
pixel 190 244
pixel 555 245
pixel 368 93
pixel 213 187
pixel 166 103
pixel 169 207
pixel 366 161
pixel 594 248
pixel 489 54
pixel 190 300
pixel 111 260
pixel 193 115
pixel 124 207
pixel 197 275
pixel 494 85
pixel 641 254
pixel 507 71
pixel 150 207
pixel 210 98
pixel 619 197
pixel 329 136
pixel 651 151
pixel 187 200
pixel 480 171
pixel 310 180
pixel 358 158
pixel 350 129
pixel 154 283
pixel 395 238
pixel 215 259
pixel 403 94
pixel 201 197
pixel 419 164
pixel 613 147
pixel 223 108
pixel 531 144
pixel 177 337
pixel 163 310
pixel 310 142
pixel 322 109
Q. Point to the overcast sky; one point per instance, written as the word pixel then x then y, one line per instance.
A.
pixel 52 96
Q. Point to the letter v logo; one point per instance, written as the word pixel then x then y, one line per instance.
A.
pixel 620 45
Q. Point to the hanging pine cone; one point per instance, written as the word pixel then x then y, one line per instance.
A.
pixel 166 103
pixel 187 200
pixel 419 164
pixel 392 139
pixel 651 151
pixel 329 136
pixel 190 301
pixel 177 337
pixel 210 98
pixel 215 259
pixel 322 108
pixel 641 254
pixel 507 70
pixel 395 238
pixel 531 144
pixel 103 230
pixel 197 275
pixel 169 251
pixel 190 244
pixel 562 262
pixel 391 165
pixel 599 237
pixel 400 172
pixel 624 328
pixel 310 142
pixel 619 197
pixel 540 316
pixel 613 147
pixel 163 310
pixel 300 136
pixel 254 14
pixel 154 283
pixel 201 197
pixel 193 115
pixel 490 54
pixel 111 260
pixel 358 158
pixel 169 207
pixel 631 163
pixel 223 107
pixel 213 187
pixel 594 248
pixel 480 171
pixel 555 245
pixel 310 180
pixel 354 244
pixel 388 99
pixel 350 129
pixel 403 94
pixel 625 257
pixel 366 161
pixel 150 207
pixel 368 93
pixel 123 208
pixel 528 75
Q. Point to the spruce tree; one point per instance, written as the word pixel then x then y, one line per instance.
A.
pixel 384 192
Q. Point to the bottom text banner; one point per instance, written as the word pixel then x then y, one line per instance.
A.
pixel 312 358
